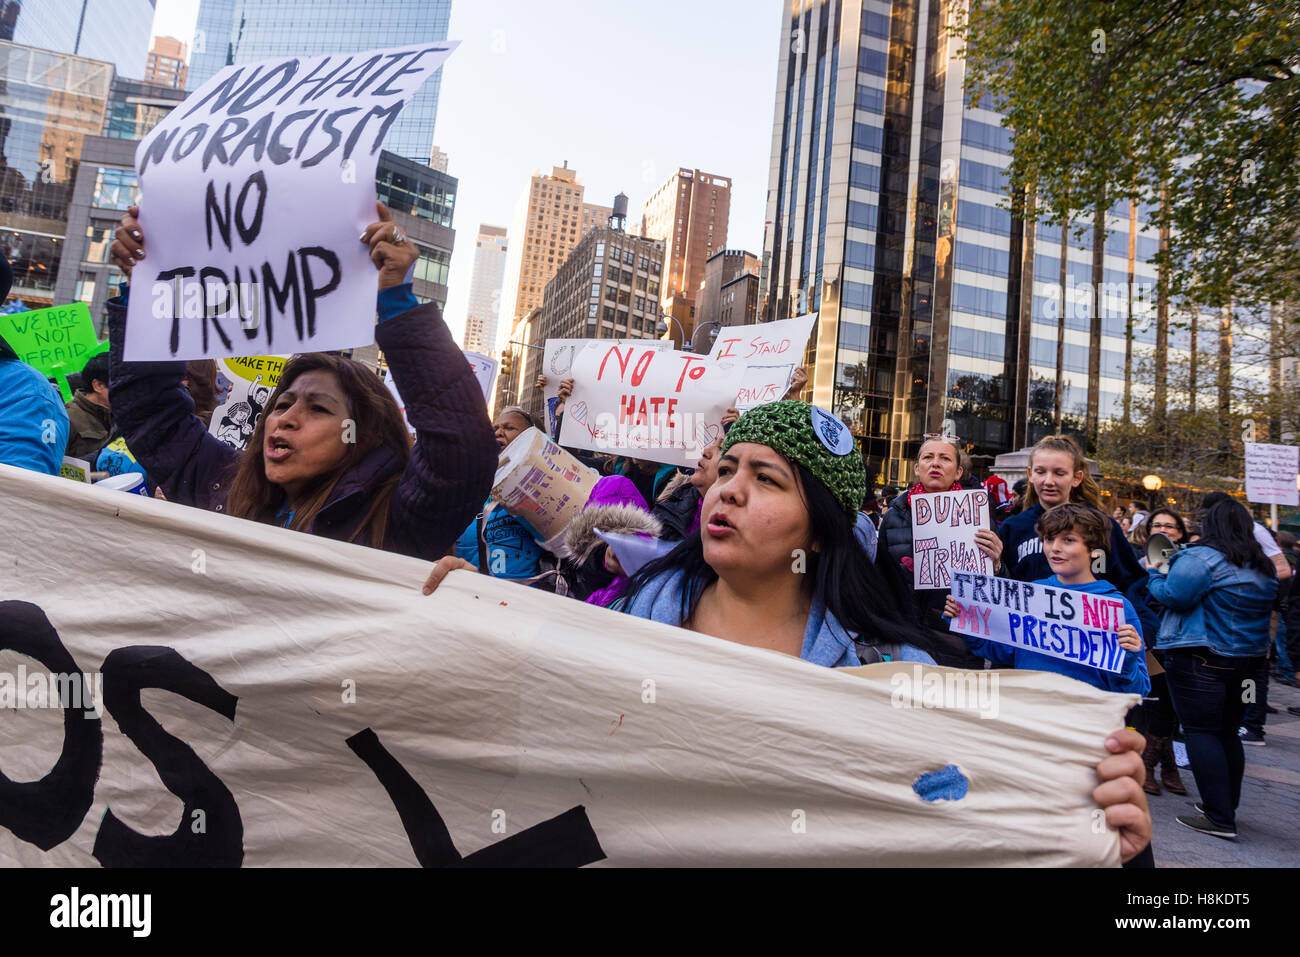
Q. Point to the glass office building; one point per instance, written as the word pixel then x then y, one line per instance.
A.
pixel 939 309
pixel 49 103
pixel 245 31
pixel 114 30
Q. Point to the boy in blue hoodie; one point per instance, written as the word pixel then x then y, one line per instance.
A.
pixel 1070 534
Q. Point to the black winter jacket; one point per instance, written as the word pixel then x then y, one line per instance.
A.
pixel 895 544
pixel 445 481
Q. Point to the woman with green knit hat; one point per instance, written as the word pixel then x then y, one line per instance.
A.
pixel 775 564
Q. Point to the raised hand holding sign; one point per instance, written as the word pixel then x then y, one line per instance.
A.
pixel 246 257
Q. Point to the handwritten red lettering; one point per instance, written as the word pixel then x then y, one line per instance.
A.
pixel 622 362
pixel 642 365
pixel 765 347
pixel 687 369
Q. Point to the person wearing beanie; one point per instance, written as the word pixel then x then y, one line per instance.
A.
pixel 776 564
pixel 33 421
pixel 90 417
pixel 938 469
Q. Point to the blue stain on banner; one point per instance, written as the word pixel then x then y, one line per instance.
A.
pixel 946 784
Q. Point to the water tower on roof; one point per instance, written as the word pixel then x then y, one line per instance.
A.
pixel 618 219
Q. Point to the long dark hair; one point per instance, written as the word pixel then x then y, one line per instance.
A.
pixel 842 578
pixel 1227 527
pixel 378 423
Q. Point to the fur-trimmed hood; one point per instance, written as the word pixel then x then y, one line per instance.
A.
pixel 674 483
pixel 581 536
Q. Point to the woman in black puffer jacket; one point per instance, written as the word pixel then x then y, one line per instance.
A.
pixel 937 470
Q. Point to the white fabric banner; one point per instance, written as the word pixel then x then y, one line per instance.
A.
pixel 274 698
pixel 253 196
pixel 769 353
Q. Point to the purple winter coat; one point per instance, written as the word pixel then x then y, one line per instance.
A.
pixel 449 474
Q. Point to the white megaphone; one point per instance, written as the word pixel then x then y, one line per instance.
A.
pixel 1161 548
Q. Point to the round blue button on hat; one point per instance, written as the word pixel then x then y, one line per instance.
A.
pixel 832 433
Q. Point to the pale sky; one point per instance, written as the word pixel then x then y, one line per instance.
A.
pixel 627 92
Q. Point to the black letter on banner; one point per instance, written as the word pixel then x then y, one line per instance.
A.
pixel 564 841
pixel 126 672
pixel 334 132
pixel 409 68
pixel 182 150
pixel 242 102
pixel 281 295
pixel 49 811
pixel 157 149
pixel 248 232
pixel 310 292
pixel 212 210
pixel 209 314
pixel 170 275
pixel 230 127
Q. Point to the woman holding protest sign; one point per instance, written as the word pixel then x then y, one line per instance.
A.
pixel 937 469
pixel 1218 597
pixel 775 564
pixel 331 455
pixel 776 567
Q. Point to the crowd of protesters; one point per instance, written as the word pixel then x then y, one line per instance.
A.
pixel 773 540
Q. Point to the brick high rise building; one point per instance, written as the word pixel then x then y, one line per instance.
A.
pixel 166 64
pixel 721 270
pixel 607 288
pixel 689 213
pixel 551 218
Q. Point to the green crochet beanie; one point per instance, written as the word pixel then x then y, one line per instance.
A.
pixel 813 438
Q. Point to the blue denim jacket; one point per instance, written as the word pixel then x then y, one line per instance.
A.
pixel 825 642
pixel 1209 602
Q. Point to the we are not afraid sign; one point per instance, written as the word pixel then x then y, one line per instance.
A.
pixel 253 195
pixel 1058 622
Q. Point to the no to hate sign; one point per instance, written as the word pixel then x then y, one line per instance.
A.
pixel 647 402
pixel 768 352
pixel 943 536
pixel 254 193
pixel 1057 622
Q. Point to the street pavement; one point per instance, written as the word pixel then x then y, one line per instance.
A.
pixel 1268 819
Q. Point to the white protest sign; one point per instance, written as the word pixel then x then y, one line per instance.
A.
pixel 770 352
pixel 320 711
pixel 557 365
pixel 247 384
pixel 1058 622
pixel 485 370
pixel 647 402
pixel 1271 472
pixel 397 397
pixel 253 195
pixel 943 536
